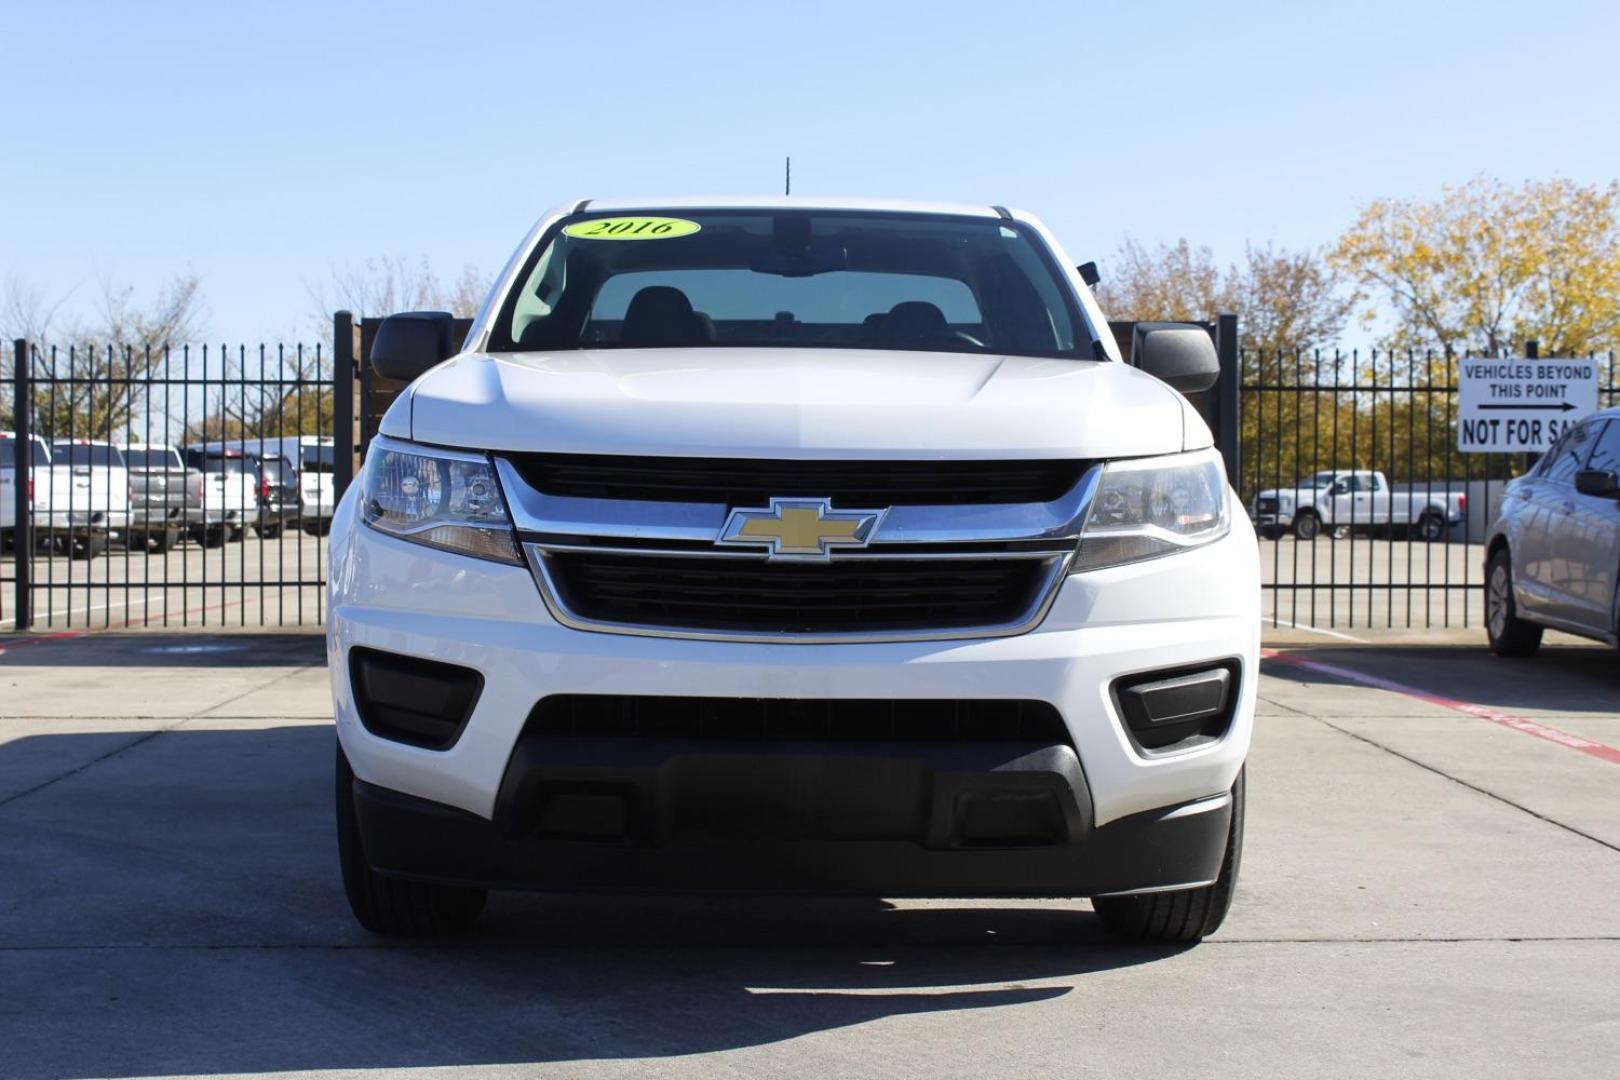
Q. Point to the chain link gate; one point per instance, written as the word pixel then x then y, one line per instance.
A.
pixel 190 486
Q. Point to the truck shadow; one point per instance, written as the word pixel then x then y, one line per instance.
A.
pixel 174 907
pixel 1566 680
pixel 190 649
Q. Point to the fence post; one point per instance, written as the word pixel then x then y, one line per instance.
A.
pixel 1228 419
pixel 343 403
pixel 1532 351
pixel 22 533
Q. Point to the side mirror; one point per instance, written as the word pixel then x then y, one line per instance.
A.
pixel 1598 482
pixel 1089 273
pixel 408 344
pixel 1179 353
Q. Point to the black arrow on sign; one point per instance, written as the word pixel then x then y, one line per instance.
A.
pixel 1565 407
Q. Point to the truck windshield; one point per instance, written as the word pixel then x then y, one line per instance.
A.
pixel 318 459
pixel 152 459
pixel 64 453
pixel 8 452
pixel 792 279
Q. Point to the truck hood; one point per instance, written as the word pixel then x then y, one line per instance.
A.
pixel 807 403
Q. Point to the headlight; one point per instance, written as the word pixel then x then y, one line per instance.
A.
pixel 1154 506
pixel 440 498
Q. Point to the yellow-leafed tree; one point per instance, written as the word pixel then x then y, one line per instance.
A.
pixel 1488 266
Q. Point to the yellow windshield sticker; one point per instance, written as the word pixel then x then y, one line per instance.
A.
pixel 632 228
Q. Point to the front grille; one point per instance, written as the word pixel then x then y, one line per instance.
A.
pixel 594 716
pixel 746 482
pixel 1265 506
pixel 758 597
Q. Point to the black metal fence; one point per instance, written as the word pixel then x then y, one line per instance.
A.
pixel 1383 564
pixel 90 546
pixel 184 487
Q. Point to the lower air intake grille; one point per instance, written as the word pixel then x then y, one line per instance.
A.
pixel 596 716
pixel 757 597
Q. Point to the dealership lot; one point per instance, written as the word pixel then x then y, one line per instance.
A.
pixel 249 582
pixel 1359 582
pixel 1425 892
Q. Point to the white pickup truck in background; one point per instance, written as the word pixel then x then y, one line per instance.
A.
pixel 1355 499
pixel 79 490
pixel 230 491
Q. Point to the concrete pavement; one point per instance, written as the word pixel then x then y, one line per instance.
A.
pixel 1424 893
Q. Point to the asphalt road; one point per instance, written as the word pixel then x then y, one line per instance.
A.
pixel 1426 892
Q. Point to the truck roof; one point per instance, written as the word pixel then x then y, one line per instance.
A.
pixel 784 202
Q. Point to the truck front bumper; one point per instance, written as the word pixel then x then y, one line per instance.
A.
pixel 1090 813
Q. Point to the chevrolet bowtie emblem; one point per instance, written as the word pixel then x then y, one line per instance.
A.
pixel 800 527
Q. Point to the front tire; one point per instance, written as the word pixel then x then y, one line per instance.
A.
pixel 393 906
pixel 1431 528
pixel 1307 525
pixel 1509 635
pixel 1183 915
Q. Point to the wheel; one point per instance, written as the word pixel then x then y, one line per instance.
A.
pixel 166 540
pixel 89 547
pixel 212 536
pixel 392 906
pixel 1509 635
pixel 1184 914
pixel 1431 528
pixel 269 532
pixel 1307 525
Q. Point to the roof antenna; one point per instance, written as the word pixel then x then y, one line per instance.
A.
pixel 787 186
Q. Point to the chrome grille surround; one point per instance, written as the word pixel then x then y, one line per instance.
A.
pixel 1046 532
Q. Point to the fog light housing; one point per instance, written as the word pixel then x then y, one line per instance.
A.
pixel 1174 710
pixel 410 700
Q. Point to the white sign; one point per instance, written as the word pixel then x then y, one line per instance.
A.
pixel 1521 406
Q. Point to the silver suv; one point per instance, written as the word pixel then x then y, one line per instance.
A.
pixel 1553 556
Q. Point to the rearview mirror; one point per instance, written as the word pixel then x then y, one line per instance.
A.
pixel 1179 353
pixel 409 343
pixel 1598 482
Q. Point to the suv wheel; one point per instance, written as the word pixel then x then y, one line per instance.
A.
pixel 1509 635
pixel 1307 525
pixel 1184 914
pixel 392 906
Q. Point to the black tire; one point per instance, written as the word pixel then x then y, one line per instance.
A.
pixel 166 541
pixel 1307 525
pixel 392 906
pixel 213 536
pixel 269 532
pixel 1508 634
pixel 1185 914
pixel 1431 528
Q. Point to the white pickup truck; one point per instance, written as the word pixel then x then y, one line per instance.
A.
pixel 79 493
pixel 1355 499
pixel 798 545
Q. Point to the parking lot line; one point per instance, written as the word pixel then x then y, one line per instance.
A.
pixel 1602 751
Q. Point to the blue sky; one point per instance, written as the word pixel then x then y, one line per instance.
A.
pixel 263 145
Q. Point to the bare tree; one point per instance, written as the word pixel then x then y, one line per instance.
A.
pixel 383 285
pixel 1176 281
pixel 96 360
